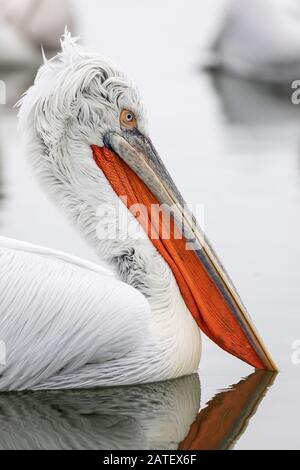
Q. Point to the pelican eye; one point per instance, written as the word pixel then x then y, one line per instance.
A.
pixel 128 119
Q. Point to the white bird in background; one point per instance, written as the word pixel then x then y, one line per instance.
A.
pixel 260 40
pixel 69 323
pixel 25 26
pixel 14 51
pixel 40 22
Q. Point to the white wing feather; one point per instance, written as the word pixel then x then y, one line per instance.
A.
pixel 54 254
pixel 59 313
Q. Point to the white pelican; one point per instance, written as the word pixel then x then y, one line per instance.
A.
pixel 68 323
pixel 260 40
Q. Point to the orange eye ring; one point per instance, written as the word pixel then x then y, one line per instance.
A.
pixel 128 119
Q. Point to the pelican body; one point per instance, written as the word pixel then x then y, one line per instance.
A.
pixel 68 323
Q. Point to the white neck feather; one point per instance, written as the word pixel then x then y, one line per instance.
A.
pixel 135 260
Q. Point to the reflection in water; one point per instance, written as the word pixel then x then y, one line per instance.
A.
pixel 250 102
pixel 220 424
pixel 151 416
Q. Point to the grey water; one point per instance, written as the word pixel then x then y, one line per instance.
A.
pixel 232 146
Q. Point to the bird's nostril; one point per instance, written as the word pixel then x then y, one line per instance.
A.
pixel 106 141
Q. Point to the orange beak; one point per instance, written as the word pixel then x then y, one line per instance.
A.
pixel 137 174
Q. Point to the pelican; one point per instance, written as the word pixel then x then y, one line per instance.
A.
pixel 69 323
pixel 259 40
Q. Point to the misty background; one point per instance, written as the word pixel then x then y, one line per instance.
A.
pixel 231 143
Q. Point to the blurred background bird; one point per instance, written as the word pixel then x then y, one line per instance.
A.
pixel 38 22
pixel 259 40
pixel 26 26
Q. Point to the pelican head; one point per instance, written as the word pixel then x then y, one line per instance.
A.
pixel 86 121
